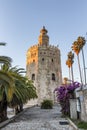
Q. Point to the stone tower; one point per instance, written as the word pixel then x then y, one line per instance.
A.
pixel 43 66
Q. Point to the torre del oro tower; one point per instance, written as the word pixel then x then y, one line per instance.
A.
pixel 43 66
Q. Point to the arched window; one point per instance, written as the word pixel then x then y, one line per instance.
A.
pixel 52 60
pixel 42 59
pixel 33 76
pixel 33 60
pixel 53 76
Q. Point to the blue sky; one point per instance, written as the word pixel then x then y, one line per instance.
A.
pixel 21 21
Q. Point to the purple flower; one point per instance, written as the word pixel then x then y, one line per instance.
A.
pixel 64 92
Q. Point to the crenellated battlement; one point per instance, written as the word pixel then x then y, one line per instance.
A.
pixel 49 47
pixel 34 47
pixel 37 46
pixel 53 47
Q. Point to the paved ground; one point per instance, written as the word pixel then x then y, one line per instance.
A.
pixel 39 119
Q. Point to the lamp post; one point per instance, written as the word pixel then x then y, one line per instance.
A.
pixel 84 76
pixel 84 66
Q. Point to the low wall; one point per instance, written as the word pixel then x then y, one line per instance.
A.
pixel 73 109
pixel 82 94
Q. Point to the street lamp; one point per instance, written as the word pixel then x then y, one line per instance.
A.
pixel 84 75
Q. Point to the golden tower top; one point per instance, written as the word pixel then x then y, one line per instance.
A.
pixel 43 38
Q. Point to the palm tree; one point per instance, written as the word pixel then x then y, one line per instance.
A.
pixel 6 86
pixel 24 88
pixel 15 89
pixel 69 62
pixel 76 48
pixel 81 41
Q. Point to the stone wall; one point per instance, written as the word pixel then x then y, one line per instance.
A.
pixel 73 109
pixel 82 95
pixel 84 106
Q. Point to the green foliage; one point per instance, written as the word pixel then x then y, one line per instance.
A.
pixel 82 125
pixel 47 104
pixel 17 88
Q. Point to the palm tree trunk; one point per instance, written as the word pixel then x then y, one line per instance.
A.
pixel 69 74
pixel 84 65
pixel 3 109
pixel 72 73
pixel 79 69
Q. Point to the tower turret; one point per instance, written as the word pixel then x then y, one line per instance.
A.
pixel 43 38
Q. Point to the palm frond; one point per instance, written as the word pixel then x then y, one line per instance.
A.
pixel 2 43
pixel 5 60
pixel 8 84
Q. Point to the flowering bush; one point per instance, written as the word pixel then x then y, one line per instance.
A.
pixel 64 93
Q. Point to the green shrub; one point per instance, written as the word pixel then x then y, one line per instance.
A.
pixel 47 104
pixel 82 124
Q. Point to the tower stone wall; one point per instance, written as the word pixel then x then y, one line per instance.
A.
pixel 44 67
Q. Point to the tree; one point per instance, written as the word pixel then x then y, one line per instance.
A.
pixel 81 41
pixel 69 62
pixel 15 89
pixel 6 86
pixel 24 89
pixel 77 47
